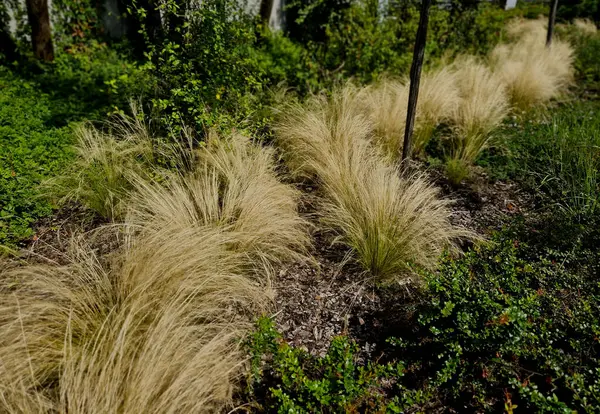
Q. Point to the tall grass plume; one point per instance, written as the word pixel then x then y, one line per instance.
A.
pixel 390 222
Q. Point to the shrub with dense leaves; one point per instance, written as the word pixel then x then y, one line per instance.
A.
pixel 284 379
pixel 509 324
pixel 31 149
pixel 513 323
pixel 200 64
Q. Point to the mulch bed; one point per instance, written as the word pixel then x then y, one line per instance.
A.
pixel 54 236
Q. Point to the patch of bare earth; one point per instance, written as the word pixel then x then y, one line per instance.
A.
pixel 54 235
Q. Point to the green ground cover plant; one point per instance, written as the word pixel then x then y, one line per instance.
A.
pixel 511 324
pixel 40 105
pixel 31 149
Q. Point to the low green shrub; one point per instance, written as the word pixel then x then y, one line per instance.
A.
pixel 284 379
pixel 38 104
pixel 587 64
pixel 574 9
pixel 31 149
pixel 88 81
pixel 512 323
pixel 509 325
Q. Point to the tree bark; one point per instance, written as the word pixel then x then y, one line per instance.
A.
pixel 41 35
pixel 265 10
pixel 415 79
pixel 8 48
pixel 551 20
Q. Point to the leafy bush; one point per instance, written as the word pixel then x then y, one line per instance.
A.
pixel 31 149
pixel 587 64
pixel 365 40
pixel 201 66
pixel 90 80
pixel 293 381
pixel 284 61
pixel 514 318
pixel 578 9
pixel 477 30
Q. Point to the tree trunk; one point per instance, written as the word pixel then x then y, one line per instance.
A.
pixel 8 48
pixel 265 10
pixel 415 79
pixel 551 20
pixel 41 36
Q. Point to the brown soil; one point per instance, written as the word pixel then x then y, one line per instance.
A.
pixel 54 236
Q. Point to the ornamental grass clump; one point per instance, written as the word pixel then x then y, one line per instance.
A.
pixel 386 103
pixel 438 98
pixel 391 222
pixel 533 73
pixel 155 331
pixel 156 326
pixel 482 106
pixel 233 186
pixel 105 162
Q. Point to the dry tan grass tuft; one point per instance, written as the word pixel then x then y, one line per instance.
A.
pixel 234 187
pixel 156 333
pixel 100 175
pixel 385 105
pixel 533 30
pixel 532 72
pixel 482 107
pixel 438 99
pixel 585 26
pixel 391 223
pixel 157 329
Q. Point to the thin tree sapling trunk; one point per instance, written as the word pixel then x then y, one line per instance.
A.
pixel 415 78
pixel 551 20
pixel 265 10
